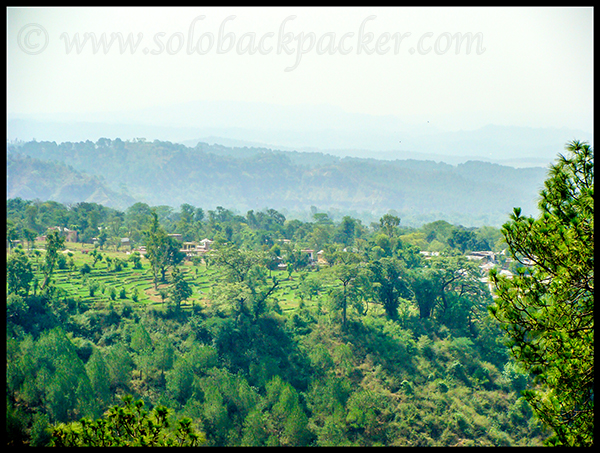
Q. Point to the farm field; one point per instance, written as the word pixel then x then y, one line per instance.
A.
pixel 135 287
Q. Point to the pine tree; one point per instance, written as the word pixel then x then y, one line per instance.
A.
pixel 99 377
pixel 547 310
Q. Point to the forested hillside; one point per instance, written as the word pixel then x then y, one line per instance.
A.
pixel 156 326
pixel 32 178
pixel 164 173
pixel 369 343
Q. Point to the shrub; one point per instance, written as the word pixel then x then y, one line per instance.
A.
pixel 92 287
pixel 61 261
pixel 407 387
pixel 442 385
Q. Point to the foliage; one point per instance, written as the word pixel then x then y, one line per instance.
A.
pixel 128 426
pixel 390 284
pixel 54 243
pixel 321 353
pixel 256 177
pixel 245 289
pixel 348 274
pixel 161 250
pixel 548 311
pixel 180 290
pixel 49 370
pixel 19 274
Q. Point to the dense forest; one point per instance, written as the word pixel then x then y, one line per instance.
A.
pixel 257 330
pixel 330 353
pixel 118 173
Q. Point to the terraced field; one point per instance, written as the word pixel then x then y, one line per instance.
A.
pixel 114 288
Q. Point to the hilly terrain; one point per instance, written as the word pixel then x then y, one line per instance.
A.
pixel 118 173
pixel 313 128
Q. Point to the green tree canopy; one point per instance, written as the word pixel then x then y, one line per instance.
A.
pixel 54 243
pixel 161 250
pixel 128 426
pixel 180 289
pixel 547 310
pixel 389 284
pixel 18 274
pixel 244 290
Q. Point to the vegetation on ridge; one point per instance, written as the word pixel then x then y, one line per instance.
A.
pixel 118 173
pixel 283 332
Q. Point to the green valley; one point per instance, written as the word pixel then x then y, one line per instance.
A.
pixel 258 330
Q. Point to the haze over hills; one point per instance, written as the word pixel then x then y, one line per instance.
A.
pixel 322 128
pixel 249 155
pixel 118 173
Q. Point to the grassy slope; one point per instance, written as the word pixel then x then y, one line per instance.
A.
pixel 199 276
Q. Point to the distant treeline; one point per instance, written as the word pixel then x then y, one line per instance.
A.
pixel 119 173
pixel 93 222
pixel 382 345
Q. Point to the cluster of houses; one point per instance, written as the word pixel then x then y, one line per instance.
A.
pixel 190 248
pixel 193 249
pixel 313 258
pixel 488 260
pixel 69 235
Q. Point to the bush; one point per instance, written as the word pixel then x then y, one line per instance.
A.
pixel 128 426
pixel 85 269
pixel 61 262
pixel 117 264
pixel 407 387
pixel 92 287
pixel 457 370
pixel 442 386
pixel 126 310
pixel 136 259
pixel 425 346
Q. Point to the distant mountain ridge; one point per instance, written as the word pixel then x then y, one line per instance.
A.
pixel 319 128
pixel 29 178
pixel 241 178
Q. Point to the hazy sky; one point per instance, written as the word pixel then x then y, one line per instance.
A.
pixel 524 66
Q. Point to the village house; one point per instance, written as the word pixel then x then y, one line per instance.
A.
pixel 189 246
pixel 69 235
pixel 192 249
pixel 482 256
pixel 486 267
pixel 12 243
pixel 206 244
pixel 309 252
